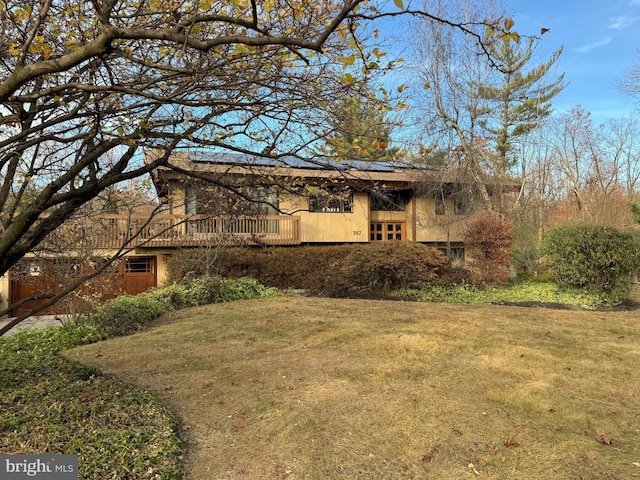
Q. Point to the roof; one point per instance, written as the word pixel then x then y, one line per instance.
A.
pixel 320 163
pixel 321 168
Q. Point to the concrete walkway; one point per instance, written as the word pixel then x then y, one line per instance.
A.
pixel 34 322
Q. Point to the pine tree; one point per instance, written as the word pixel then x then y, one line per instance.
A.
pixel 361 131
pixel 519 99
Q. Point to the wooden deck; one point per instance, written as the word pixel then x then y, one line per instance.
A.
pixel 195 231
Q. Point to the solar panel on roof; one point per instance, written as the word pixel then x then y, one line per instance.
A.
pixel 290 161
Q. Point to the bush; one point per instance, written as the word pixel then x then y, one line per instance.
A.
pixel 127 314
pixel 325 270
pixel 284 268
pixel 241 289
pixel 379 268
pixel 488 239
pixel 597 258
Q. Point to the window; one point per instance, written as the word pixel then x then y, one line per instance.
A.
pixel 191 201
pixel 214 200
pixel 112 268
pixel 138 265
pixel 460 205
pixel 388 201
pixel 265 201
pixel 454 253
pixel 64 267
pixel 386 232
pixel 440 205
pixel 332 201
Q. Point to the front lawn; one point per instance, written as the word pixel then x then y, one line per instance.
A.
pixel 323 388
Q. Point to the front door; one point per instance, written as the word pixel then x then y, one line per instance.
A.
pixel 387 231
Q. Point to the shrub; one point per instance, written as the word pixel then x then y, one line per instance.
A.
pixel 242 289
pixel 175 296
pixel 288 267
pixel 597 258
pixel 127 314
pixel 316 269
pixel 488 239
pixel 379 268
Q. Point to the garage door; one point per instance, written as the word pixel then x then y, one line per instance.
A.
pixel 139 274
pixel 39 278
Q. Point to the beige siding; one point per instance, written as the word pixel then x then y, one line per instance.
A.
pixel 162 259
pixel 330 227
pixel 4 292
pixel 438 228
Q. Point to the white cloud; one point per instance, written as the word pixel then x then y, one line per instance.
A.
pixel 622 22
pixel 590 46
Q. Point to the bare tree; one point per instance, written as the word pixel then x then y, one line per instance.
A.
pixel 482 107
pixel 447 66
pixel 571 151
pixel 594 172
pixel 630 82
pixel 87 87
pixel 622 143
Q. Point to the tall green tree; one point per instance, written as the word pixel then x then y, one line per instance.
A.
pixel 361 130
pixel 518 96
pixel 476 106
pixel 447 65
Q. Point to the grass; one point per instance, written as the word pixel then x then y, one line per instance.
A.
pixel 526 291
pixel 304 388
pixel 52 405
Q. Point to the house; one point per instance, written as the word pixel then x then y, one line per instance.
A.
pixel 212 200
pixel 290 201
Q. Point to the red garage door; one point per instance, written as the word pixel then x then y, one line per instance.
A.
pixel 44 278
pixel 139 274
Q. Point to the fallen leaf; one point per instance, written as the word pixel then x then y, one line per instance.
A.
pixel 604 440
pixel 428 457
pixel 512 443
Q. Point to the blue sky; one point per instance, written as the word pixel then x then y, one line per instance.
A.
pixel 601 39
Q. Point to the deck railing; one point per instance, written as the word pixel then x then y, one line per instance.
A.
pixel 195 231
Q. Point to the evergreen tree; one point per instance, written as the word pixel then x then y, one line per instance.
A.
pixel 519 99
pixel 361 131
